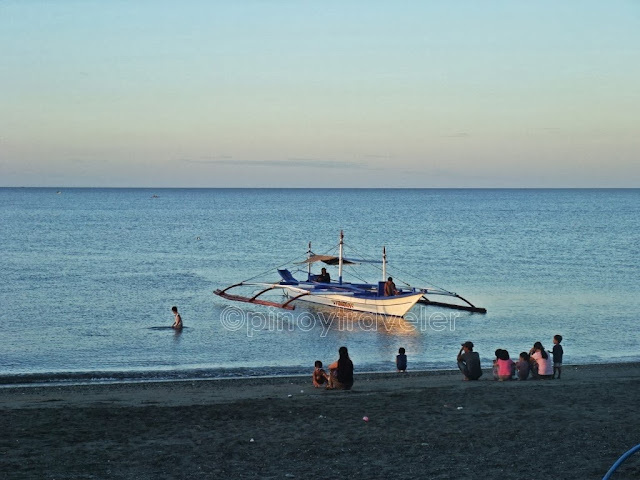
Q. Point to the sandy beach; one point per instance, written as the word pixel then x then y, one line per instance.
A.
pixel 421 425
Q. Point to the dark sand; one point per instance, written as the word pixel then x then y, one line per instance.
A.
pixel 422 425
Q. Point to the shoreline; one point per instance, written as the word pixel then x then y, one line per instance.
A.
pixel 222 389
pixel 420 425
pixel 61 379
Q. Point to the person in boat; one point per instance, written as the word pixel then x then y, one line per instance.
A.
pixel 324 276
pixel 469 362
pixel 177 324
pixel 341 371
pixel 390 288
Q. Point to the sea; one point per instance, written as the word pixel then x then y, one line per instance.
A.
pixel 89 276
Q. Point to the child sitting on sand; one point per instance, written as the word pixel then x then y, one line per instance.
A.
pixel 495 364
pixel 401 360
pixel 503 365
pixel 319 376
pixel 523 366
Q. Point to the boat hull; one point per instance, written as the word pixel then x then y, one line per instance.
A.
pixel 396 306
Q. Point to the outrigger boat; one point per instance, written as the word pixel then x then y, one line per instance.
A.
pixel 360 297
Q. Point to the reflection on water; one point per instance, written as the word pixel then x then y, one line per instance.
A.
pixel 177 334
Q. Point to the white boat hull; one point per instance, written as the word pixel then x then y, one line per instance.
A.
pixel 396 306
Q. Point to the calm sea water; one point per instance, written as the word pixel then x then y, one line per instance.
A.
pixel 88 276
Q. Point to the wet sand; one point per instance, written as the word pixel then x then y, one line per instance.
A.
pixel 421 425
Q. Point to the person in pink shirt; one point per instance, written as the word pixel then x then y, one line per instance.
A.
pixel 541 362
pixel 505 367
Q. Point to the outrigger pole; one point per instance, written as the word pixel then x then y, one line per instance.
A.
pixel 470 308
pixel 238 298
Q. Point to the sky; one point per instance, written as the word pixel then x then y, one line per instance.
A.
pixel 295 93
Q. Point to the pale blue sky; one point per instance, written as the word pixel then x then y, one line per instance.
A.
pixel 330 94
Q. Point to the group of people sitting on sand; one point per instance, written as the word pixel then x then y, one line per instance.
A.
pixel 538 363
pixel 340 376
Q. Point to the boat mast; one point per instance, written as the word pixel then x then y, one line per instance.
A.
pixel 384 264
pixel 309 264
pixel 340 259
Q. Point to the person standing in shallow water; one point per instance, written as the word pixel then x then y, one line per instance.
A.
pixel 177 324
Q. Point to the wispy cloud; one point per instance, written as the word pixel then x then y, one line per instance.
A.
pixel 289 163
pixel 447 174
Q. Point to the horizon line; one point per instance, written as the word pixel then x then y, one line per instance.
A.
pixel 318 188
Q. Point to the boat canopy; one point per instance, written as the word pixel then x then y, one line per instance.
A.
pixel 333 260
pixel 328 259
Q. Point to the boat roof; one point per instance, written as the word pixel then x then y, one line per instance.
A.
pixel 333 260
pixel 328 259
